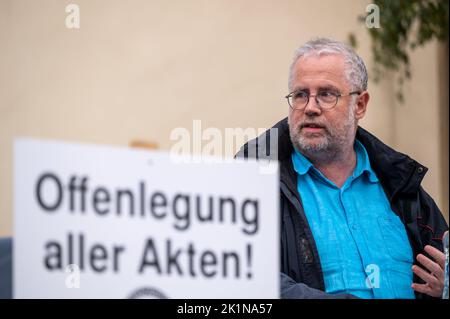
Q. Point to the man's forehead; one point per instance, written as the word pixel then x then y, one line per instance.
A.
pixel 330 66
pixel 321 70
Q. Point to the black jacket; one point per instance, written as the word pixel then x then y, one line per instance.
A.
pixel 400 176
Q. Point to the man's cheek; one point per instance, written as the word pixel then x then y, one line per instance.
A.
pixel 291 117
pixel 294 121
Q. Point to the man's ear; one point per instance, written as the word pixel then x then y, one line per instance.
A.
pixel 361 105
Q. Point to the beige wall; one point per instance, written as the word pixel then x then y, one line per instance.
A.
pixel 138 69
pixel 421 124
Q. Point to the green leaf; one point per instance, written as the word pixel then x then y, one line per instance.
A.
pixel 395 35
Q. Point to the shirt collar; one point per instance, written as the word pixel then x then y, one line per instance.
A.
pixel 363 163
pixel 302 165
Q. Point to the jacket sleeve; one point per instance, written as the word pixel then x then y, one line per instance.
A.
pixel 431 226
pixel 431 222
pixel 293 290
pixel 5 268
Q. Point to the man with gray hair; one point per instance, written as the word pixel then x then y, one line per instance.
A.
pixel 353 214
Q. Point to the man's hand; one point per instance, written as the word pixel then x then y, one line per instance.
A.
pixel 434 277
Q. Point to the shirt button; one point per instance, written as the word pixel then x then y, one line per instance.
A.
pixel 420 170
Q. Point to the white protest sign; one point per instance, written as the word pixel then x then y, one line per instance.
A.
pixel 107 222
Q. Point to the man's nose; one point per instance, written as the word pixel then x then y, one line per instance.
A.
pixel 312 108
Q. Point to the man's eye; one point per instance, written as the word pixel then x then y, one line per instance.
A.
pixel 327 94
pixel 300 95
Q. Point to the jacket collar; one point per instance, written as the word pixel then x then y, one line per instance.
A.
pixel 397 172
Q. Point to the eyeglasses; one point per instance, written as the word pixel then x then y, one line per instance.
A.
pixel 326 100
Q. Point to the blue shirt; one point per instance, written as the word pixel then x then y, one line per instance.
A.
pixel 362 244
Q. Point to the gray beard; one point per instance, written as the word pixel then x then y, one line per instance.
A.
pixel 332 146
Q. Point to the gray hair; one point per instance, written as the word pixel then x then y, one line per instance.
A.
pixel 356 71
